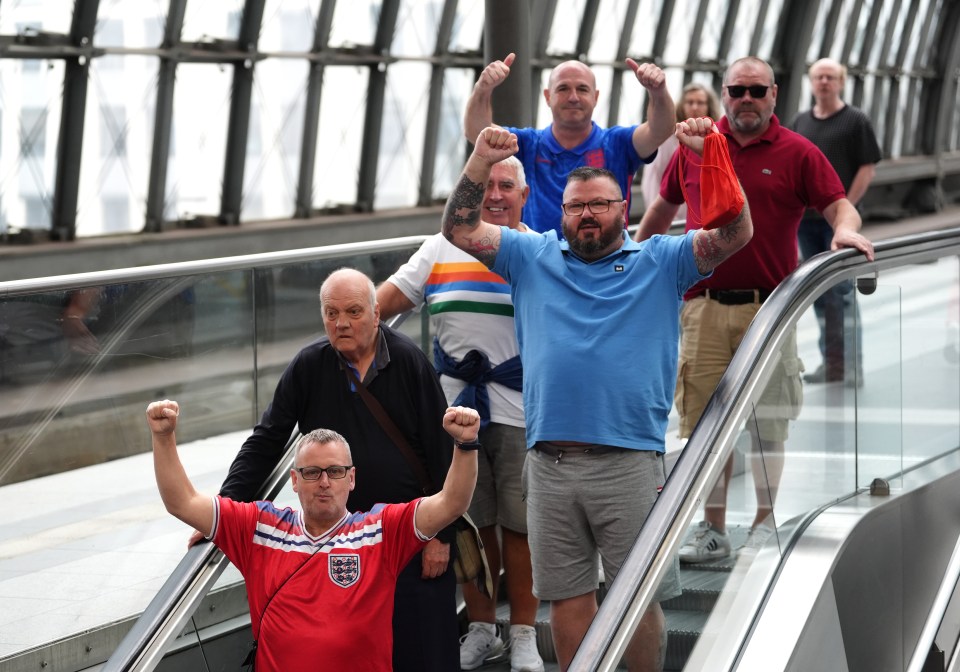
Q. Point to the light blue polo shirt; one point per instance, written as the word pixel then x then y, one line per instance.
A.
pixel 598 340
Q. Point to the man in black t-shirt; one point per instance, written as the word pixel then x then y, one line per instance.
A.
pixel 845 135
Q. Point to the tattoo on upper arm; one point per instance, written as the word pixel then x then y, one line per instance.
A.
pixel 463 206
pixel 485 250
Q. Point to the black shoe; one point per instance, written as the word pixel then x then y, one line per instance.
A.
pixel 818 375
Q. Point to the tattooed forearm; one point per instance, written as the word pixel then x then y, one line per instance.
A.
pixel 710 248
pixel 463 206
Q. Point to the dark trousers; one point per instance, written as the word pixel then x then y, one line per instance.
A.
pixel 841 338
pixel 425 630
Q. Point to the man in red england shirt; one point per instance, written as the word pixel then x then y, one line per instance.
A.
pixel 782 174
pixel 320 581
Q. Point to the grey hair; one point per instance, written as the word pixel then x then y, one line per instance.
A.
pixel 320 437
pixel 514 162
pixel 754 61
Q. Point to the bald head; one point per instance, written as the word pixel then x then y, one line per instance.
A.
pixel 571 95
pixel 572 69
pixel 349 279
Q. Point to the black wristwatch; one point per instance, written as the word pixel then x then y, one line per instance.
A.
pixel 472 445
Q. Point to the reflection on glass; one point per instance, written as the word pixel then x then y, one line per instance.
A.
pixel 275 138
pixel 645 28
pixel 340 136
pixel 198 141
pixel 746 22
pixel 610 14
pixel 118 142
pixel 401 135
pixel 288 25
pixel 769 31
pixel 129 24
pixel 566 27
pixel 30 105
pixel 205 22
pixel 416 33
pixel 467 27
pixel 354 23
pixel 52 16
pixel 451 149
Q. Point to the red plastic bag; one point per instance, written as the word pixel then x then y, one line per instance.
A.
pixel 721 198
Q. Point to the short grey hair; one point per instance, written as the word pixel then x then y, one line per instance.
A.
pixel 514 162
pixel 754 60
pixel 320 437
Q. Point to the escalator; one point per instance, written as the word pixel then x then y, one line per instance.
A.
pixel 899 421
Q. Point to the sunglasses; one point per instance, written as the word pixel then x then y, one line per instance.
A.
pixel 756 91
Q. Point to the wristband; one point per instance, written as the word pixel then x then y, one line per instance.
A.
pixel 470 445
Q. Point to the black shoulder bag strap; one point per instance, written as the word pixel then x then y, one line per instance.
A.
pixel 392 431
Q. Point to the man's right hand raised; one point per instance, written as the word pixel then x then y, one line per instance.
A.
pixel 494 144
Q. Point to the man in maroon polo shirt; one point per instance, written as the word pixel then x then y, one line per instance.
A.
pixel 782 174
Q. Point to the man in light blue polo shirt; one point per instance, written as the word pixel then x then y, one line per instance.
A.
pixel 597 320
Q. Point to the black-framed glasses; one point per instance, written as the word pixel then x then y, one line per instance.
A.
pixel 756 91
pixel 597 207
pixel 335 472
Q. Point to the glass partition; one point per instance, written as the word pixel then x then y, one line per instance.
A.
pixel 88 543
pixel 865 385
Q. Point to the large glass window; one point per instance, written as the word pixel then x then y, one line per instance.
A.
pixel 276 137
pixel 401 137
pixel 340 136
pixel 202 106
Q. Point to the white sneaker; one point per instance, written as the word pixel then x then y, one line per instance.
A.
pixel 524 656
pixel 705 544
pixel 479 645
pixel 756 538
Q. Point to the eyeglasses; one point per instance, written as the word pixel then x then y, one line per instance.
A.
pixel 597 207
pixel 756 91
pixel 314 473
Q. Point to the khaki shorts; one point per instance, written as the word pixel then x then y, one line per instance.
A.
pixel 712 332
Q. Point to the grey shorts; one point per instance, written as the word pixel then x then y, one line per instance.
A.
pixel 584 505
pixel 498 497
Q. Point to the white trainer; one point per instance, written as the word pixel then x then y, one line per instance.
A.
pixel 524 656
pixel 756 538
pixel 480 644
pixel 705 544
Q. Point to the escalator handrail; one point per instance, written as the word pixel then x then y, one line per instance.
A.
pixel 659 538
pixel 244 262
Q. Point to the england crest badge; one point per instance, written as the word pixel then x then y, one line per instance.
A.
pixel 344 568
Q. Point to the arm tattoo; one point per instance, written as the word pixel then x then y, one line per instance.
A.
pixel 713 246
pixel 485 250
pixel 463 206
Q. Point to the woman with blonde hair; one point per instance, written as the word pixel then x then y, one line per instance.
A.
pixel 696 100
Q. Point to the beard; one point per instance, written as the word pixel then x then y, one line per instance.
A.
pixel 744 125
pixel 593 248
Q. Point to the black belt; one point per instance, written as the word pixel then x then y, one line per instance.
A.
pixel 736 297
pixel 558 451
